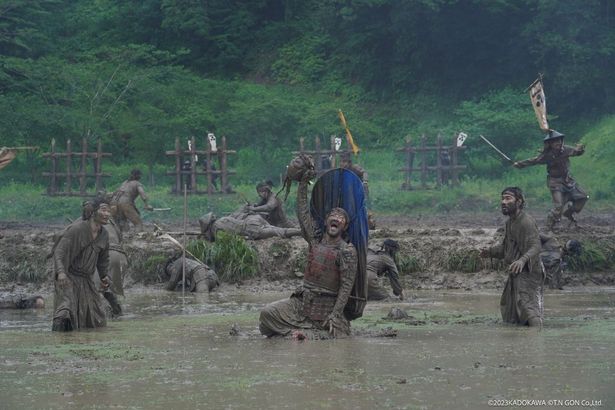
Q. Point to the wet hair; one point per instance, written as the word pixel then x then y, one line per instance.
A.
pixel 86 210
pixel 135 175
pixel 517 193
pixel 339 211
pixel 390 243
pixel 96 204
pixel 574 247
pixel 265 184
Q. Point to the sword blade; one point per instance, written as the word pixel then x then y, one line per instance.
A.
pixel 497 150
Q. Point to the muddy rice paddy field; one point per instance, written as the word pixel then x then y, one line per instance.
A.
pixel 204 350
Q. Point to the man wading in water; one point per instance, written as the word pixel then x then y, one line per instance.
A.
pixel 522 299
pixel 318 305
pixel 83 249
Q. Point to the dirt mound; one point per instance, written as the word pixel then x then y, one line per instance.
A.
pixel 434 253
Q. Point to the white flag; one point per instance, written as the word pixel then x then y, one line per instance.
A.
pixel 212 141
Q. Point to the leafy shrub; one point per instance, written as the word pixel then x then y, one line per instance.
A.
pixel 593 257
pixel 464 261
pixel 408 264
pixel 230 256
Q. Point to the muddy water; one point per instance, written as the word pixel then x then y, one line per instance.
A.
pixel 165 354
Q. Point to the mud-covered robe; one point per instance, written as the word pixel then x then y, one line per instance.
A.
pixel 522 298
pixel 118 261
pixel 78 255
pixel 379 263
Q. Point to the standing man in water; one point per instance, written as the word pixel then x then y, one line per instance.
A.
pixel 317 306
pixel 568 197
pixel 83 249
pixel 522 299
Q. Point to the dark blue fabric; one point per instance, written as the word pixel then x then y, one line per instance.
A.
pixel 340 188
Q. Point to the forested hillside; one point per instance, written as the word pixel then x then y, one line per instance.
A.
pixel 264 72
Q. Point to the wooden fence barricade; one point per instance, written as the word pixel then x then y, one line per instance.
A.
pixel 445 157
pixel 324 159
pixel 53 188
pixel 187 172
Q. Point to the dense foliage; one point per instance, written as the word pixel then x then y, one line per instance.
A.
pixel 264 72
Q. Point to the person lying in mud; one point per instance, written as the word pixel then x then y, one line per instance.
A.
pixel 270 207
pixel 568 197
pixel 22 302
pixel 199 277
pixel 82 250
pixel 318 305
pixel 380 263
pixel 245 223
pixel 522 299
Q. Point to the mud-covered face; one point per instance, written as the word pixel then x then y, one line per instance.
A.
pixel 102 214
pixel 263 193
pixel 509 204
pixel 556 144
pixel 335 224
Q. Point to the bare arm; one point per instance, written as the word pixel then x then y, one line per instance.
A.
pixel 269 206
pixel 142 193
pixel 393 275
pixel 303 213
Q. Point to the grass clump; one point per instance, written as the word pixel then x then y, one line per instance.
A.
pixel 408 264
pixel 230 256
pixel 25 272
pixel 464 261
pixel 593 257
pixel 149 269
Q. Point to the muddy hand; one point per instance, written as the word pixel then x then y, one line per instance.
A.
pixel 105 282
pixel 63 280
pixel 517 266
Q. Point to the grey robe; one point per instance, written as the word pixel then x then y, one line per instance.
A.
pixel 522 298
pixel 79 304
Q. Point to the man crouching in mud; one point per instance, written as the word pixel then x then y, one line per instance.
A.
pixel 83 248
pixel 317 307
pixel 522 299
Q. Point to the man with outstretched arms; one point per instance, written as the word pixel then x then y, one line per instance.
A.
pixel 568 197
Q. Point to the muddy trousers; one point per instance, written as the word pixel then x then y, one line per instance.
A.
pixel 128 212
pixel 566 202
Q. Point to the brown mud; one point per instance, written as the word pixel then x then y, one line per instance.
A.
pixel 435 253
